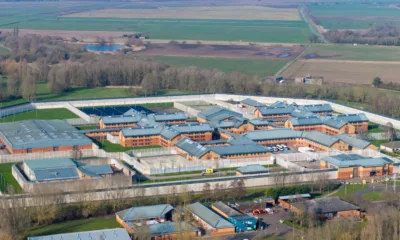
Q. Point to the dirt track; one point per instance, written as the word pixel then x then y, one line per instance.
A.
pixel 350 72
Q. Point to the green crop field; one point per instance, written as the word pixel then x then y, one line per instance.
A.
pixel 3 51
pixel 184 29
pixel 353 24
pixel 260 67
pixel 42 114
pixel 356 53
pixel 5 174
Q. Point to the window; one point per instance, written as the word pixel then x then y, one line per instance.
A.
pixel 55 148
pixel 75 147
pixel 29 150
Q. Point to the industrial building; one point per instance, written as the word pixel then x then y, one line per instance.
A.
pixel 242 222
pixel 116 233
pixel 31 136
pixel 326 208
pixel 209 220
pixel 144 215
pixel 354 165
pixel 287 200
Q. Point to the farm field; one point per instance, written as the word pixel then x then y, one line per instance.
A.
pixel 3 51
pixel 223 51
pixel 351 72
pixel 42 114
pixel 260 67
pixel 350 52
pixel 209 12
pixel 183 29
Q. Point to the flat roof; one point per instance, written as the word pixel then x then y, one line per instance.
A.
pixel 145 212
pixel 295 196
pixel 107 234
pixel 394 144
pixel 169 227
pixel 252 169
pixel 41 134
pixel 96 170
pixel 49 163
pixel 352 160
pixel 53 169
pixel 208 216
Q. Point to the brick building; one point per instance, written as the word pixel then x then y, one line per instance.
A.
pixel 216 113
pixel 283 110
pixel 250 103
pixel 354 166
pixel 31 136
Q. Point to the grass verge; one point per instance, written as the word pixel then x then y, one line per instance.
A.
pixel 374 196
pixel 349 189
pixel 5 172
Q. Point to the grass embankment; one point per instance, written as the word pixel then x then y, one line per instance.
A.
pixel 374 196
pixel 40 114
pixel 111 147
pixel 75 226
pixel 349 189
pixel 378 142
pixel 5 172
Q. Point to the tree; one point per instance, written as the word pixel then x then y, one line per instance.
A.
pixel 377 82
pixel 390 132
pixel 313 38
pixel 206 191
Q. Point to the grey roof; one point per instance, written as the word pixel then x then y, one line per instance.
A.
pixel 169 227
pixel 145 212
pixel 217 113
pixel 253 103
pixel 325 205
pixel 359 117
pixel 295 196
pixel 49 163
pixel 252 169
pixel 208 216
pixel 134 132
pixel 107 234
pixel 334 122
pixel 321 138
pixel 56 174
pixel 191 147
pixel 304 121
pixel 41 134
pixel 282 133
pixel 211 142
pixel 395 144
pixel 133 112
pixel 259 122
pixel 96 170
pixel 266 111
pixel 235 122
pixel 316 108
pixel 351 160
pixel 227 210
pixel 301 113
pixel 171 116
pixel 354 142
pixel 133 116
pixel 239 149
pixel 121 119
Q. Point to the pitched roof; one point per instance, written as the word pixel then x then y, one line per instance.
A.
pixel 52 169
pixel 227 210
pixel 351 160
pixel 325 205
pixel 321 138
pixel 251 102
pixel 303 121
pixel 316 108
pixel 354 142
pixel 235 122
pixel 357 117
pixel 266 111
pixel 41 134
pixel 191 147
pixel 165 228
pixel 394 144
pixel 334 122
pixel 281 133
pixel 252 169
pixel 116 233
pixel 208 216
pixel 120 119
pixel 96 170
pixel 239 149
pixel 49 163
pixel 259 122
pixel 217 113
pixel 145 212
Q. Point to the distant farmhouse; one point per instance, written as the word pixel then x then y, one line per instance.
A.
pixel 309 80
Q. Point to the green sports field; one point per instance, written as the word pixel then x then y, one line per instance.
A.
pixel 260 67
pixel 183 29
pixel 42 114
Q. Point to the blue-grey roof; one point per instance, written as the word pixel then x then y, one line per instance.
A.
pixel 135 132
pixel 355 160
pixel 304 121
pixel 145 212
pixel 333 122
pixel 107 234
pixel 325 205
pixel 49 163
pixel 316 108
pixel 240 140
pixel 321 138
pixel 227 210
pixel 171 116
pixel 121 119
pixel 281 133
pixel 239 149
pixel 252 169
pixel 352 118
pixel 133 112
pixel 191 147
pixel 354 142
pixel 208 216
pixel 169 228
pixel 235 122
pixel 301 113
pixel 295 196
pixel 41 134
pixel 266 111
pixel 251 102
pixel 217 113
pixel 212 142
pixel 259 122
pixel 96 170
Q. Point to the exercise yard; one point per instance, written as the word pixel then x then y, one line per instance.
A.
pixel 6 178
pixel 40 114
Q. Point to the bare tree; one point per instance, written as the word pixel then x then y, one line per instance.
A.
pixel 390 132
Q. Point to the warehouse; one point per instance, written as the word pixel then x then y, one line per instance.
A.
pixel 31 136
pixel 355 165
pixel 209 220
pixel 242 222
pixel 116 233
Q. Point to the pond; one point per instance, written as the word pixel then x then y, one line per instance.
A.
pixel 102 48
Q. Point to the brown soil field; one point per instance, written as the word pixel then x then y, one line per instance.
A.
pixel 222 51
pixel 209 12
pixel 349 72
pixel 67 34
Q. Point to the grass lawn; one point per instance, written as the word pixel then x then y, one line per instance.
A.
pixel 5 171
pixel 260 67
pixel 75 226
pixel 374 196
pixel 183 29
pixel 43 114
pixel 356 53
pixel 111 147
pixel 378 142
pixel 349 189
pixel 294 225
pixel 375 128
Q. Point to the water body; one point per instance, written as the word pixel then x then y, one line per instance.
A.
pixel 283 55
pixel 264 54
pixel 102 48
